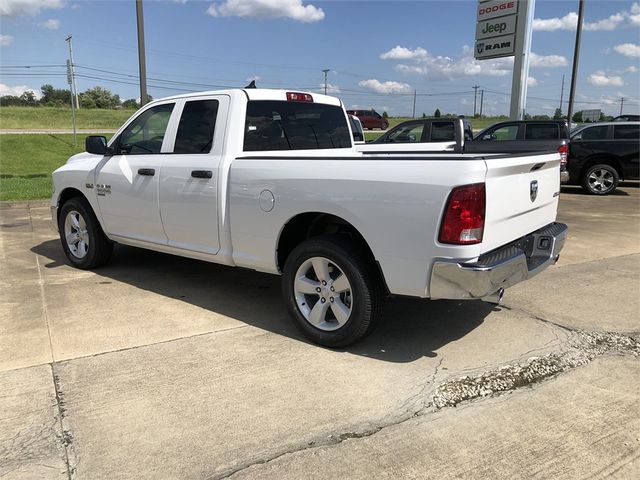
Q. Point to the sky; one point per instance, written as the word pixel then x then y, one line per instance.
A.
pixel 378 52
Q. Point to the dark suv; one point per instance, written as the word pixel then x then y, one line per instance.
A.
pixel 370 119
pixel 603 153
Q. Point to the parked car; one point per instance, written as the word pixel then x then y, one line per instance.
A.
pixel 370 119
pixel 627 118
pixel 526 136
pixel 357 132
pixel 269 180
pixel 602 154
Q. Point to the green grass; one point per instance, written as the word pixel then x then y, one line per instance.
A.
pixel 26 163
pixel 37 118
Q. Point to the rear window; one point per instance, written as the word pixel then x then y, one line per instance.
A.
pixel 277 125
pixel 442 132
pixel 542 132
pixel 626 132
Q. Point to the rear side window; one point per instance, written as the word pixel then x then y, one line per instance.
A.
pixel 442 132
pixel 542 132
pixel 197 124
pixel 626 132
pixel 595 133
pixel 277 125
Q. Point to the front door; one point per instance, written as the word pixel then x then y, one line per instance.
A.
pixel 127 182
pixel 189 177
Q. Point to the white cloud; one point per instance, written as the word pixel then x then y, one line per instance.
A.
pixel 548 61
pixel 634 17
pixel 331 89
pixel 292 9
pixel 402 53
pixel 602 79
pixel 631 69
pixel 606 24
pixel 6 40
pixel 532 82
pixel 11 8
pixel 628 49
pixel 51 24
pixel 385 87
pixel 568 22
pixel 17 90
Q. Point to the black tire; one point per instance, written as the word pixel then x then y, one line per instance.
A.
pixel 366 292
pixel 600 179
pixel 99 247
pixel 384 126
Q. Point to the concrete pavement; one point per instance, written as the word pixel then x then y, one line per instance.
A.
pixel 162 367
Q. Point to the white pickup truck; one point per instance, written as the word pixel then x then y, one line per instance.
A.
pixel 269 180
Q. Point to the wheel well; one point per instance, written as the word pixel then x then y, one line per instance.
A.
pixel 613 162
pixel 67 194
pixel 314 224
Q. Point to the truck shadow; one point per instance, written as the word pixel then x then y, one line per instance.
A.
pixel 410 328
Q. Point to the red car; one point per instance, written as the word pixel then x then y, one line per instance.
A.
pixel 370 119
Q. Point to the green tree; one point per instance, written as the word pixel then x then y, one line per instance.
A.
pixel 557 115
pixel 99 97
pixel 29 98
pixel 424 115
pixel 385 114
pixel 437 113
pixel 131 103
pixel 54 96
pixel 577 117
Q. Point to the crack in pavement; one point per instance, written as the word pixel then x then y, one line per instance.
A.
pixel 582 348
pixel 65 437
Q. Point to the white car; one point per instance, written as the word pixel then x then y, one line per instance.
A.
pixel 269 180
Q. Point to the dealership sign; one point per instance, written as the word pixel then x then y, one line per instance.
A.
pixel 496 28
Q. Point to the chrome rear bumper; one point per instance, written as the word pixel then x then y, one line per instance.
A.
pixel 500 269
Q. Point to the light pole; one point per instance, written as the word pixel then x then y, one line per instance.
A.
pixel 144 99
pixel 325 71
pixel 576 56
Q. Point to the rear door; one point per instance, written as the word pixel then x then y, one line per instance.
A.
pixel 522 194
pixel 189 180
pixel 626 145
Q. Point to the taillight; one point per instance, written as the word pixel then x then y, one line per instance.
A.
pixel 563 150
pixel 299 97
pixel 463 221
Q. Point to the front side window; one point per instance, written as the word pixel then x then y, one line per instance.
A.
pixel 279 125
pixel 442 132
pixel 406 134
pixel 196 127
pixel 145 133
pixel 626 132
pixel 542 132
pixel 504 133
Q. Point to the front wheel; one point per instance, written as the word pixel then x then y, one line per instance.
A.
pixel 600 179
pixel 332 291
pixel 83 241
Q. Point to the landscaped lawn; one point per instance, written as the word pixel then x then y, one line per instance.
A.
pixel 58 118
pixel 26 163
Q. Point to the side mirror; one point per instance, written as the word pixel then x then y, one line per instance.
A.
pixel 96 144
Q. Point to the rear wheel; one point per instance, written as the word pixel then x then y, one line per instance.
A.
pixel 83 241
pixel 332 291
pixel 384 126
pixel 600 179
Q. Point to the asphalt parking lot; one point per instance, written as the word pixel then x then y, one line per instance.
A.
pixel 162 367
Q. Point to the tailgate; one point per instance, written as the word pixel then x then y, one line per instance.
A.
pixel 522 196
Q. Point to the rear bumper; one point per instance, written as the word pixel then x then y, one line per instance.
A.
pixel 499 269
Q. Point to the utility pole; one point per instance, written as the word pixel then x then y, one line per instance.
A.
pixel 562 95
pixel 576 56
pixel 413 115
pixel 475 95
pixel 481 101
pixel 325 71
pixel 144 99
pixel 72 72
pixel 73 107
pixel 621 104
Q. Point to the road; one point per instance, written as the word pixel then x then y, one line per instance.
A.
pixel 157 367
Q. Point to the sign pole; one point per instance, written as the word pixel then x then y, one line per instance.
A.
pixel 521 59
